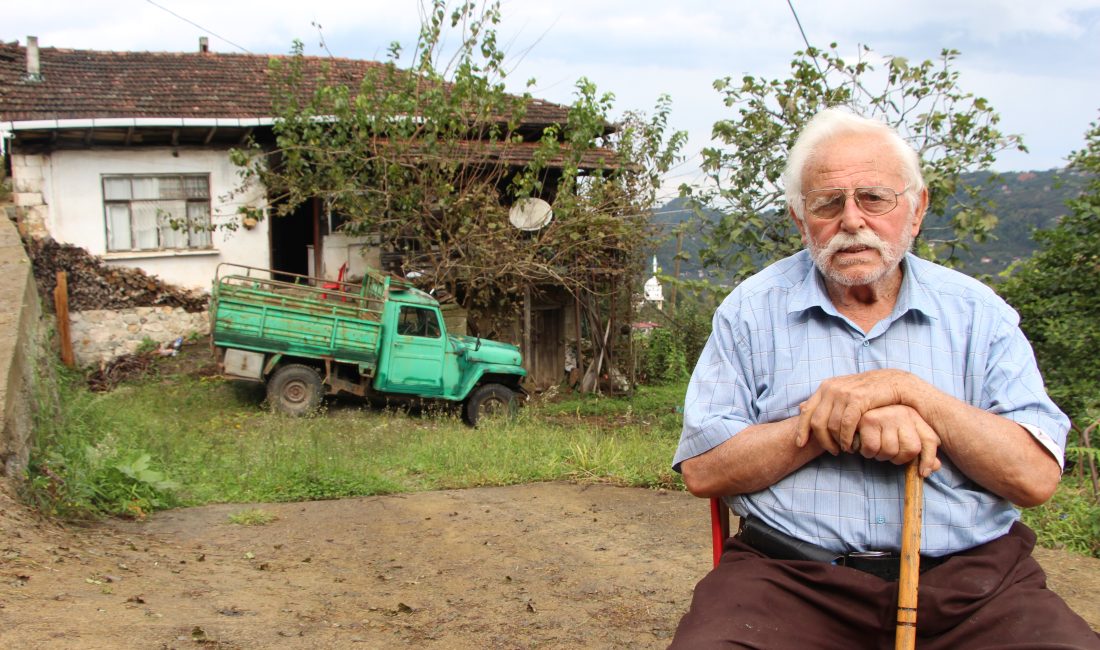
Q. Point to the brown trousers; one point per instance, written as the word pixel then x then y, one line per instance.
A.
pixel 992 596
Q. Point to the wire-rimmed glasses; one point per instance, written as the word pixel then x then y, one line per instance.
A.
pixel 828 203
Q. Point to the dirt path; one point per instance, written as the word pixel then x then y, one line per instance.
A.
pixel 536 566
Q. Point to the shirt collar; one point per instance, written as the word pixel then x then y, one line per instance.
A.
pixel 810 291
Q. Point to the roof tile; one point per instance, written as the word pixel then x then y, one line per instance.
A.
pixel 91 83
pixel 82 84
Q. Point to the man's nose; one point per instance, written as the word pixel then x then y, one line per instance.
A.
pixel 852 217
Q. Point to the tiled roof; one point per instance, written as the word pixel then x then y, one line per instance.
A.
pixel 79 84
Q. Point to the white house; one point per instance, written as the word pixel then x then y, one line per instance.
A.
pixel 114 151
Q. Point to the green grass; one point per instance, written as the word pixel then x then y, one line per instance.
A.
pixel 252 517
pixel 661 402
pixel 1070 520
pixel 175 440
pixel 215 443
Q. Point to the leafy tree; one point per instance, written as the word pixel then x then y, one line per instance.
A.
pixel 953 130
pixel 428 160
pixel 1055 291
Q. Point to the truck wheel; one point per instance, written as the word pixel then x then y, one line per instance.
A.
pixel 490 400
pixel 295 390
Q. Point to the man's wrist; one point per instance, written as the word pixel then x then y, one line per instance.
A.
pixel 926 400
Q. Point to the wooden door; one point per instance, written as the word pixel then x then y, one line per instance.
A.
pixel 547 363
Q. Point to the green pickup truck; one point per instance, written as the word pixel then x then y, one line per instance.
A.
pixel 381 339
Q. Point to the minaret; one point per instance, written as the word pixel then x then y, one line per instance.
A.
pixel 654 292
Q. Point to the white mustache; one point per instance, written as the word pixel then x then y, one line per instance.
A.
pixel 842 240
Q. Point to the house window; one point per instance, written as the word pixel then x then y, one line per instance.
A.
pixel 157 212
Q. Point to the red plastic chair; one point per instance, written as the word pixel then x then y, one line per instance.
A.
pixel 719 526
pixel 338 285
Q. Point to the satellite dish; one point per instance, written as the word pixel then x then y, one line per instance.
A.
pixel 530 214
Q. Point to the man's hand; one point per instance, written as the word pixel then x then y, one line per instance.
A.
pixel 993 451
pixel 898 434
pixel 833 412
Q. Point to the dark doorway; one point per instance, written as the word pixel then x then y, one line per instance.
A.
pixel 290 236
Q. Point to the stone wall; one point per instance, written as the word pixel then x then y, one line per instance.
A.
pixel 20 350
pixel 103 334
pixel 28 192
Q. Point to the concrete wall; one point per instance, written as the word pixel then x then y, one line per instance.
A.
pixel 20 347
pixel 61 194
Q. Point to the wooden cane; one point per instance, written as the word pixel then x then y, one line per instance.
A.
pixel 906 638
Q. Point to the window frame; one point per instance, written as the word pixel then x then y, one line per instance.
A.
pixel 188 195
pixel 427 322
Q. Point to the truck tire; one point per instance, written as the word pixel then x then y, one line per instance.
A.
pixel 295 389
pixel 489 400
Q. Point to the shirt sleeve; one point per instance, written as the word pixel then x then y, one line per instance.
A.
pixel 719 402
pixel 1014 389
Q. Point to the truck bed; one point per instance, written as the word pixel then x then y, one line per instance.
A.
pixel 304 316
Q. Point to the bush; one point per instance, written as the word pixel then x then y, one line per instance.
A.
pixel 663 360
pixel 692 322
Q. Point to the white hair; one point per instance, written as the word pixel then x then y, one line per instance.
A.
pixel 830 123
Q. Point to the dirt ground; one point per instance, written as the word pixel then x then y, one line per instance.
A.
pixel 556 565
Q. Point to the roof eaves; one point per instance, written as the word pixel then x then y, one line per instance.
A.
pixel 137 122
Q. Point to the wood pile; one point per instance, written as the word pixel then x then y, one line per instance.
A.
pixel 126 367
pixel 96 285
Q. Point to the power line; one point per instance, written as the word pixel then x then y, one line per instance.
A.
pixel 191 22
pixel 805 40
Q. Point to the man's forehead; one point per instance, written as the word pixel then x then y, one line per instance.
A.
pixel 853 153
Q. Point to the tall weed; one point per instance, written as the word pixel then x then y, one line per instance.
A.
pixel 78 470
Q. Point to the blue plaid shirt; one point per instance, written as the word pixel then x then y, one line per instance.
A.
pixel 777 336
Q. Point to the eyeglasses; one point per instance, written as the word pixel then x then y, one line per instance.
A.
pixel 828 203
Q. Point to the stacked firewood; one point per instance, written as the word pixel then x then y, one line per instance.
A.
pixel 92 284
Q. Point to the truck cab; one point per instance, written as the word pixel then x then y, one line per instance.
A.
pixel 419 356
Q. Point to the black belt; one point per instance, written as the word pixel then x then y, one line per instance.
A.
pixel 779 546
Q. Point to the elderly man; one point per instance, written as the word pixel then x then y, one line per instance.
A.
pixel 824 375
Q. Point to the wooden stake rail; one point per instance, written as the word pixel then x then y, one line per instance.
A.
pixel 61 308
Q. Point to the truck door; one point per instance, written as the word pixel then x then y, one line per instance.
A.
pixel 416 356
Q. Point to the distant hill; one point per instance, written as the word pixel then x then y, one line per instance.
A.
pixel 1025 201
pixel 667 217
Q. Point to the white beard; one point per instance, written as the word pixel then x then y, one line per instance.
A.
pixel 833 270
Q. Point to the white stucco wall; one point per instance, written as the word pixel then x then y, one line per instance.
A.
pixel 72 192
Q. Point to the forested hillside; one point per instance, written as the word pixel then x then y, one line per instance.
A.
pixel 1025 201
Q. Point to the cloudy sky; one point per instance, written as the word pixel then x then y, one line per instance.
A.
pixel 1038 62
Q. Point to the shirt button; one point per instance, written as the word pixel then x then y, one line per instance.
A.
pixel 866 343
pixel 880 520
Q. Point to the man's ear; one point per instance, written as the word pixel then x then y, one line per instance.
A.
pixel 922 209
